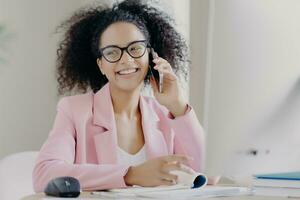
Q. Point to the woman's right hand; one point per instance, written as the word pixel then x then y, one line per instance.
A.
pixel 156 172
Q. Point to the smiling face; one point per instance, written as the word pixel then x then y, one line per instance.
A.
pixel 127 73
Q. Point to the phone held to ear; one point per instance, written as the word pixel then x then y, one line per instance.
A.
pixel 154 73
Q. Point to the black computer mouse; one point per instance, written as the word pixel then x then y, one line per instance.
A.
pixel 63 187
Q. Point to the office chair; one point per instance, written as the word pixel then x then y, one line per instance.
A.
pixel 16 175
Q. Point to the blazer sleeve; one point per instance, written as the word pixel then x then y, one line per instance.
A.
pixel 189 138
pixel 57 158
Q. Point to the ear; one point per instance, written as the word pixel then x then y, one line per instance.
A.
pixel 99 63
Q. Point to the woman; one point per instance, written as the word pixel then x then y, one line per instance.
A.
pixel 112 136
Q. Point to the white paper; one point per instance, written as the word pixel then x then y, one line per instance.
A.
pixel 174 192
pixel 204 192
pixel 278 192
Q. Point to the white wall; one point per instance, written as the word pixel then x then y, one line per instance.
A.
pixel 27 82
pixel 200 38
pixel 253 85
pixel 180 11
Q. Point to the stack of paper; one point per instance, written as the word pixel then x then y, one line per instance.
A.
pixel 189 186
pixel 277 184
pixel 173 192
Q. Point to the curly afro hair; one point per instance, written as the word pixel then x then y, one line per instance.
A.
pixel 77 69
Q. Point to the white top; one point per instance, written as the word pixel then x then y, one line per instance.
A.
pixel 125 158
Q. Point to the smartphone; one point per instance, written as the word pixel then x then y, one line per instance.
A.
pixel 158 77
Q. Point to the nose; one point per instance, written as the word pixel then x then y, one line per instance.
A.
pixel 126 58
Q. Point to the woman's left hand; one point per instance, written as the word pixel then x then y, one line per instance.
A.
pixel 171 96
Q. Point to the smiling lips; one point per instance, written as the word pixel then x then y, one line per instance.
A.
pixel 127 71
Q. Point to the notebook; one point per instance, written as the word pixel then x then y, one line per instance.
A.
pixel 280 176
pixel 285 184
pixel 286 180
pixel 276 183
pixel 278 192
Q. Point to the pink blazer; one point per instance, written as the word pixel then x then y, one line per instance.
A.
pixel 83 141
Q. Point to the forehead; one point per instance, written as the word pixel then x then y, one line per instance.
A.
pixel 121 34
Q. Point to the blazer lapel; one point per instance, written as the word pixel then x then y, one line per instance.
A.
pixel 105 141
pixel 154 140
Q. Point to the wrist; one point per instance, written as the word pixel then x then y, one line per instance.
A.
pixel 177 108
pixel 128 178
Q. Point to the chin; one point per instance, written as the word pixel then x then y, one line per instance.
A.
pixel 129 87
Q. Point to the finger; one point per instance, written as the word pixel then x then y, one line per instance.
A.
pixel 169 166
pixel 167 74
pixel 169 177
pixel 165 70
pixel 163 66
pixel 179 158
pixel 160 60
pixel 166 182
pixel 155 55
pixel 186 169
pixel 164 63
pixel 177 166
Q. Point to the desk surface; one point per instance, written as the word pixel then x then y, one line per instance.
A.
pixel 223 182
pixel 244 182
pixel 86 195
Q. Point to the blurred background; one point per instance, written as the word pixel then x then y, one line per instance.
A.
pixel 244 80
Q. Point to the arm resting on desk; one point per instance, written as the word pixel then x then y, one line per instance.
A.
pixel 189 138
pixel 57 158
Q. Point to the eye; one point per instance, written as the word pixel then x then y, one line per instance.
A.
pixel 135 48
pixel 111 52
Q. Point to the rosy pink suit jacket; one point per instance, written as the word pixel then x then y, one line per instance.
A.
pixel 83 141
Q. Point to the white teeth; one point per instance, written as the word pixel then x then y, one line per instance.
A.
pixel 127 71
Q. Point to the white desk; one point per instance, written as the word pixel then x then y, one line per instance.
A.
pixel 223 182
pixel 86 195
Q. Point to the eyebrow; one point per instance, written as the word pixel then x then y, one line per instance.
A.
pixel 129 43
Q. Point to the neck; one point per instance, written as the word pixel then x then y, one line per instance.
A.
pixel 125 103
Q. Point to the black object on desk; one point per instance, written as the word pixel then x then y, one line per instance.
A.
pixel 63 187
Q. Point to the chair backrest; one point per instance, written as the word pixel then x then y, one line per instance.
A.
pixel 16 175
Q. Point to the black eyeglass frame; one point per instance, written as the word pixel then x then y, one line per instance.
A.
pixel 126 49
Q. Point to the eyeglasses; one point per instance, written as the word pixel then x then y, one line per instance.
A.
pixel 135 49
